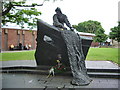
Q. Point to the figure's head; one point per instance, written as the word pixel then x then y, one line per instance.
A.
pixel 58 10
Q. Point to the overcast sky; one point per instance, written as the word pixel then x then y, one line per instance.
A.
pixel 104 11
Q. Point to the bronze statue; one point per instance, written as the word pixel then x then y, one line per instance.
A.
pixel 59 19
pixel 65 44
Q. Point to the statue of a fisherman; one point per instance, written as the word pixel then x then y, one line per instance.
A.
pixel 64 42
pixel 59 19
pixel 74 49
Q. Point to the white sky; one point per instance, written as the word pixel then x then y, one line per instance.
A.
pixel 104 11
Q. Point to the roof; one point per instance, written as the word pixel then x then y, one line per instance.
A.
pixel 87 34
pixel 16 28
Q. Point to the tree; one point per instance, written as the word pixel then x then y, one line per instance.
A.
pixel 88 26
pixel 12 14
pixel 100 36
pixel 92 27
pixel 26 15
pixel 115 33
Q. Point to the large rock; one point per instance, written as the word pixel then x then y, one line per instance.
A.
pixel 50 43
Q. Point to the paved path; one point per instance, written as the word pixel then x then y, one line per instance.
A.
pixel 16 80
pixel 101 64
pixel 89 64
pixel 40 81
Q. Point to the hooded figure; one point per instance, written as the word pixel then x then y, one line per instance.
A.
pixel 59 19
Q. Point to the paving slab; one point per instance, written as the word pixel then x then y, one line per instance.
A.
pixel 18 63
pixel 14 80
pixel 89 64
pixel 101 64
pixel 0 81
pixel 10 80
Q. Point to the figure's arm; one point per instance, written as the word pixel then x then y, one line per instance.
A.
pixel 68 23
pixel 56 22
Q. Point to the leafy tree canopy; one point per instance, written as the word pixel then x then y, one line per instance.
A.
pixel 25 14
pixel 115 33
pixel 100 36
pixel 91 26
pixel 88 26
pixel 21 16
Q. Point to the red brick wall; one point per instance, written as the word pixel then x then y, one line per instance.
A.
pixel 29 38
pixel 12 37
pixel 3 40
pixel 94 44
pixel 15 38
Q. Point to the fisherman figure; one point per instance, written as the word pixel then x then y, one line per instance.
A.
pixel 59 19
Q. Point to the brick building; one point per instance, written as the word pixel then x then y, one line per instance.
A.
pixel 89 36
pixel 12 36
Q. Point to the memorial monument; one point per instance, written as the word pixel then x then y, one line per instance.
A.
pixel 57 40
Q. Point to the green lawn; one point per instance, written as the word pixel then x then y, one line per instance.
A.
pixel 109 54
pixel 25 55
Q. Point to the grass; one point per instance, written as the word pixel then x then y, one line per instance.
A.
pixel 26 55
pixel 109 54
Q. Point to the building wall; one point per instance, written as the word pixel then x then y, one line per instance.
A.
pixel 26 37
pixel 12 37
pixel 115 44
pixel 16 36
pixel 3 40
pixel 93 44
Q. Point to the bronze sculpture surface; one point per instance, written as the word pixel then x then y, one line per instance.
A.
pixel 51 41
pixel 59 19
